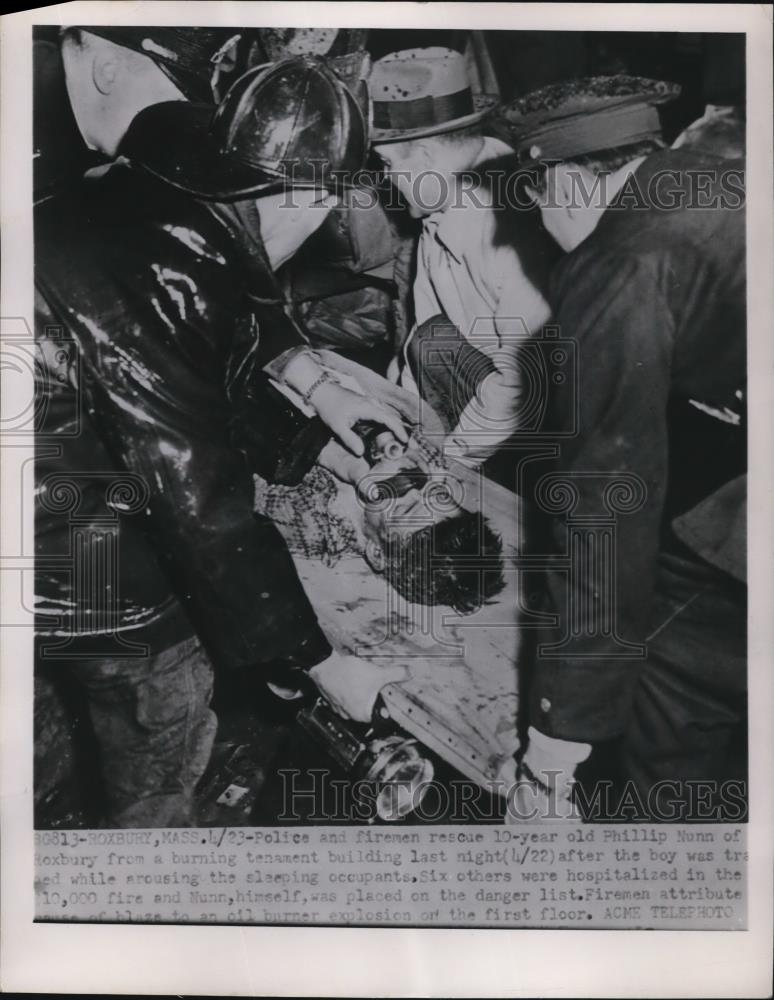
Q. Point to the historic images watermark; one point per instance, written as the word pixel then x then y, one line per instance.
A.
pixel 526 185
pixel 90 557
pixel 320 796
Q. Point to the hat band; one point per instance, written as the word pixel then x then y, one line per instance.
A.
pixel 423 112
pixel 579 134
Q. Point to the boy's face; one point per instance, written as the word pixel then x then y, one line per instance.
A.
pixel 408 506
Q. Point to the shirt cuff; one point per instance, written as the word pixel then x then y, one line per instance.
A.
pixel 276 367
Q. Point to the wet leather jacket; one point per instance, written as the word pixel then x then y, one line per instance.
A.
pixel 152 287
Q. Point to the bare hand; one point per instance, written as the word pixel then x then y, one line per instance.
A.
pixel 342 463
pixel 352 685
pixel 393 371
pixel 341 408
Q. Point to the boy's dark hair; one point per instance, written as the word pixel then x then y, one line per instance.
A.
pixel 457 562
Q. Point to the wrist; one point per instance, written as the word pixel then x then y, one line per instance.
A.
pixel 301 371
pixel 315 389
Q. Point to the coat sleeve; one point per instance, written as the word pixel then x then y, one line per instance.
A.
pixel 494 414
pixel 608 486
pixel 153 327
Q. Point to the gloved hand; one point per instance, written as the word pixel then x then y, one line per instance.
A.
pixel 352 685
pixel 544 780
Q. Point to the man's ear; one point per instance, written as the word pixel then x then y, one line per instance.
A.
pixel 374 556
pixel 104 70
pixel 564 181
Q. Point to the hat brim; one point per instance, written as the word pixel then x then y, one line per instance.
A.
pixel 173 141
pixel 485 104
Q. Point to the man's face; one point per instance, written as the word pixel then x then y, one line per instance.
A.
pixel 386 521
pixel 289 219
pixel 78 61
pixel 571 203
pixel 409 166
pixel 556 215
pixel 108 85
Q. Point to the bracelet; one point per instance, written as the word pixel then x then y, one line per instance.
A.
pixel 324 376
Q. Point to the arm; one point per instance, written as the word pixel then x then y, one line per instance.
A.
pixel 155 388
pixel 492 416
pixel 615 311
pixel 338 407
pixel 284 354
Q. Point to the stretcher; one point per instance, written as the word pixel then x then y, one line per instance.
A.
pixel 461 697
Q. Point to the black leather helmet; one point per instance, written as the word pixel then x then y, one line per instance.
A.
pixel 292 124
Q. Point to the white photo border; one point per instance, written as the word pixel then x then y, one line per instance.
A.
pixel 60 958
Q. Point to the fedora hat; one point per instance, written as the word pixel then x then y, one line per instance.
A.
pixel 292 124
pixel 423 92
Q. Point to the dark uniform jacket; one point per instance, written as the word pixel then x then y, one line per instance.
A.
pixel 151 288
pixel 655 301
